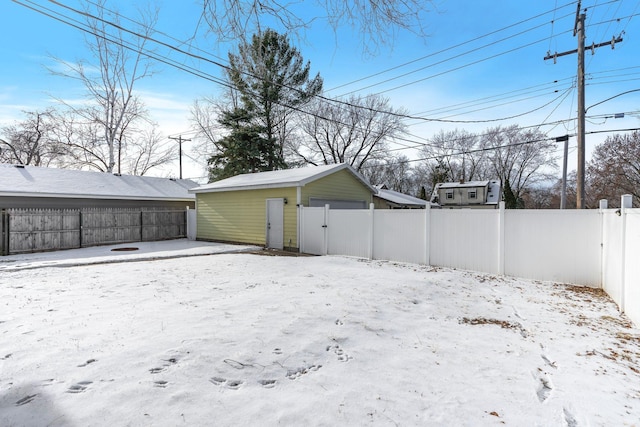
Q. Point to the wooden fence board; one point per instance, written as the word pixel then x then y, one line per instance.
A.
pixel 34 230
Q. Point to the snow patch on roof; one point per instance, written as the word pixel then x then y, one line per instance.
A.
pixel 277 179
pixel 33 181
pixel 462 184
pixel 399 198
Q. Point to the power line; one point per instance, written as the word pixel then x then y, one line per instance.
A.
pixel 180 141
pixel 146 27
pixel 456 56
pixel 119 27
pixel 447 60
pixel 88 15
pixel 447 49
pixel 466 152
pixel 579 31
pixel 208 77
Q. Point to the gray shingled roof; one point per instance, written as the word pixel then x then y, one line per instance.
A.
pixel 399 198
pixel 32 181
pixel 277 179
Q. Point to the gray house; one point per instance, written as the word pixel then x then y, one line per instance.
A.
pixel 39 187
pixel 471 194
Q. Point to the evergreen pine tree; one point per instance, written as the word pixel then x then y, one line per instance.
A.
pixel 510 199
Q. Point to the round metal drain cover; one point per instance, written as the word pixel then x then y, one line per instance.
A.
pixel 126 249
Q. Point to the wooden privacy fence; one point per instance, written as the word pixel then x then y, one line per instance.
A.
pixel 36 230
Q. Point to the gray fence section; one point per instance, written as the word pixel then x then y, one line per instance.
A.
pixel 36 230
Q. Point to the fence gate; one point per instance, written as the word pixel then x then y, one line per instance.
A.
pixel 313 227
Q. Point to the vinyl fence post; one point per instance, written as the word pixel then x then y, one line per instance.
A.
pixel 427 234
pixel 501 213
pixel 300 213
pixel 625 203
pixel 603 204
pixel 371 228
pixel 326 230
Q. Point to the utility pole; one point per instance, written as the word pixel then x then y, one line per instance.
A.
pixel 180 141
pixel 578 30
pixel 563 194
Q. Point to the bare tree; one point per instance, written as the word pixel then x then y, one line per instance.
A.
pixel 393 172
pixel 148 150
pixel 110 83
pixel 614 169
pixel 81 141
pixel 520 156
pixel 376 21
pixel 353 132
pixel 30 141
pixel 460 154
pixel 204 118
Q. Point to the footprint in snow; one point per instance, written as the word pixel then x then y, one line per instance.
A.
pixel 569 418
pixel 79 387
pixel 338 351
pixel 267 383
pixel 293 374
pixel 88 362
pixel 544 388
pixel 232 384
pixel 548 361
pixel 26 400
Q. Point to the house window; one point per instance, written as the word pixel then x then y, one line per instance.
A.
pixel 473 194
pixel 449 194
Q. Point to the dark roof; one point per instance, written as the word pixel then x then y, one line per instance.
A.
pixel 399 199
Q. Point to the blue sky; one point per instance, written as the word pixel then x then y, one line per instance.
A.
pixel 486 55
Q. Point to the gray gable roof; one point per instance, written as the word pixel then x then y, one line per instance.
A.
pixel 398 198
pixel 296 177
pixel 33 181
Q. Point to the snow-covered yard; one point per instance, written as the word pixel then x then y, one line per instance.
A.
pixel 243 339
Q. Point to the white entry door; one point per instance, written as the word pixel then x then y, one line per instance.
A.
pixel 275 223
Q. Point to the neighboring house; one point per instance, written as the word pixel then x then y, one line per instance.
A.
pixel 262 208
pixel 39 187
pixel 389 199
pixel 472 194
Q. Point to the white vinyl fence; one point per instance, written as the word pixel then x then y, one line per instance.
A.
pixel 597 248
